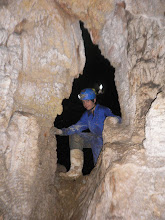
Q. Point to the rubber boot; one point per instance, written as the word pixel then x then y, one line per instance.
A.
pixel 77 161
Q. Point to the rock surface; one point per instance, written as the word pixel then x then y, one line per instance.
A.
pixel 127 182
pixel 41 52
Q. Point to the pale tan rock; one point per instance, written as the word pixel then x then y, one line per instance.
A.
pixel 154 131
pixel 22 162
pixel 115 133
pixel 41 52
pixel 10 65
pixel 147 8
pixel 27 171
pixel 85 10
pixel 123 182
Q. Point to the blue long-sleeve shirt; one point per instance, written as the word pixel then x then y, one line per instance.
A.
pixel 93 122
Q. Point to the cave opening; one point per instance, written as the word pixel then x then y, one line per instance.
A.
pixel 97 71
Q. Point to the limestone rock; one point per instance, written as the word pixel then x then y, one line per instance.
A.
pixel 132 161
pixel 26 171
pixel 147 8
pixel 127 191
pixel 154 131
pixel 41 52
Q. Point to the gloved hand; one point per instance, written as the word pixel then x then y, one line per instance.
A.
pixel 55 131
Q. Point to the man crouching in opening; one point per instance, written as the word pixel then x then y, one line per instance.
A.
pixel 92 119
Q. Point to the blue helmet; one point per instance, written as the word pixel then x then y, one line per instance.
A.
pixel 87 94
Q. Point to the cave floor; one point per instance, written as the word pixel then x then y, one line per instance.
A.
pixel 69 194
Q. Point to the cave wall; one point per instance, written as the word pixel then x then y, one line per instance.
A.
pixel 36 47
pixel 41 52
pixel 133 186
pixel 130 171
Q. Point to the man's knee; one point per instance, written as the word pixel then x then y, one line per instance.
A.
pixel 76 142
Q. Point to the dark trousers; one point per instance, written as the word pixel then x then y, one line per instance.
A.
pixel 86 140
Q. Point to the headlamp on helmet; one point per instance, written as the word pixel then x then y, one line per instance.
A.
pixel 87 94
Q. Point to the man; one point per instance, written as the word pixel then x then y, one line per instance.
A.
pixel 92 119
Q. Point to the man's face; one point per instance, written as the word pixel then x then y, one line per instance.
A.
pixel 88 104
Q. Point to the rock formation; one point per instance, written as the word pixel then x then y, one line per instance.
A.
pixel 41 52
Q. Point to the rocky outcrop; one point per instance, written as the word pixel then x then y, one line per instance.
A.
pixel 128 178
pixel 26 177
pixel 41 52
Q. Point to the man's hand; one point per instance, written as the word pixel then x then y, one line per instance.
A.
pixel 55 131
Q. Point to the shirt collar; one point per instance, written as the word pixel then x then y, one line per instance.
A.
pixel 90 112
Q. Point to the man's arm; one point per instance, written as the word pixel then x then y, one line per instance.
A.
pixel 81 125
pixel 116 119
